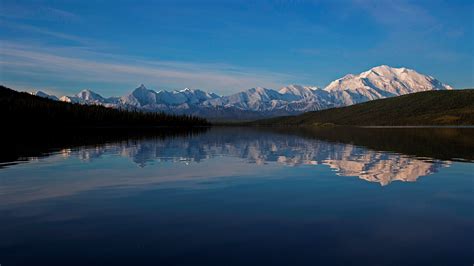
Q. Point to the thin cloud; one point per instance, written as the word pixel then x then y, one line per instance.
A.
pixel 43 31
pixel 62 14
pixel 397 13
pixel 37 12
pixel 30 62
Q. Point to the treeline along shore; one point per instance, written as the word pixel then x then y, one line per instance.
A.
pixel 20 110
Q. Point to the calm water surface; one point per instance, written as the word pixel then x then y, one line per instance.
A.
pixel 235 196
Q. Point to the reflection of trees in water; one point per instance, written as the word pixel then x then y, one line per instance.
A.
pixel 261 148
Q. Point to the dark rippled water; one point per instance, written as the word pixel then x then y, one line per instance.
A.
pixel 236 196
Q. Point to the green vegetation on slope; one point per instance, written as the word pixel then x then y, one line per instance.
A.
pixel 424 108
pixel 22 110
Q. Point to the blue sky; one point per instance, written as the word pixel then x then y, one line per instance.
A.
pixel 226 46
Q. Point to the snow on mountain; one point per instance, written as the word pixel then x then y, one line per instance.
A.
pixel 307 98
pixel 299 92
pixel 292 99
pixel 142 97
pixel 90 96
pixel 379 82
pixel 255 99
pixel 45 95
pixel 198 96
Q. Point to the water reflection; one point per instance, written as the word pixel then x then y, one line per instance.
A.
pixel 248 196
pixel 381 167
pixel 262 148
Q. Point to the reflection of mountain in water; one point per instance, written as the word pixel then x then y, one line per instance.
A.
pixel 380 167
pixel 261 148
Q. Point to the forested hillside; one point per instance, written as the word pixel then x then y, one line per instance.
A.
pixel 450 107
pixel 20 109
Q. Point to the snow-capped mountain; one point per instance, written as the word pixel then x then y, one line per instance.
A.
pixel 256 99
pixel 88 95
pixel 144 98
pixel 291 99
pixel 45 95
pixel 306 98
pixel 380 82
pixel 377 83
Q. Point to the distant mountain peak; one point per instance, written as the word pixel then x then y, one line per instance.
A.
pixel 43 94
pixel 378 82
pixel 141 88
pixel 40 94
pixel 89 95
pixel 381 82
pixel 383 67
pixel 87 91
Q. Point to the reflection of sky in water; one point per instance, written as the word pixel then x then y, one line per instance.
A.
pixel 252 199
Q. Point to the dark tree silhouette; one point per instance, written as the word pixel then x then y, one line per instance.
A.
pixel 23 110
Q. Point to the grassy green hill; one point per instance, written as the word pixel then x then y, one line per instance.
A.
pixel 425 108
pixel 22 110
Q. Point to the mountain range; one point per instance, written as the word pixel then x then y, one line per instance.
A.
pixel 377 83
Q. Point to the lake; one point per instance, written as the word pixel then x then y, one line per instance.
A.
pixel 240 196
